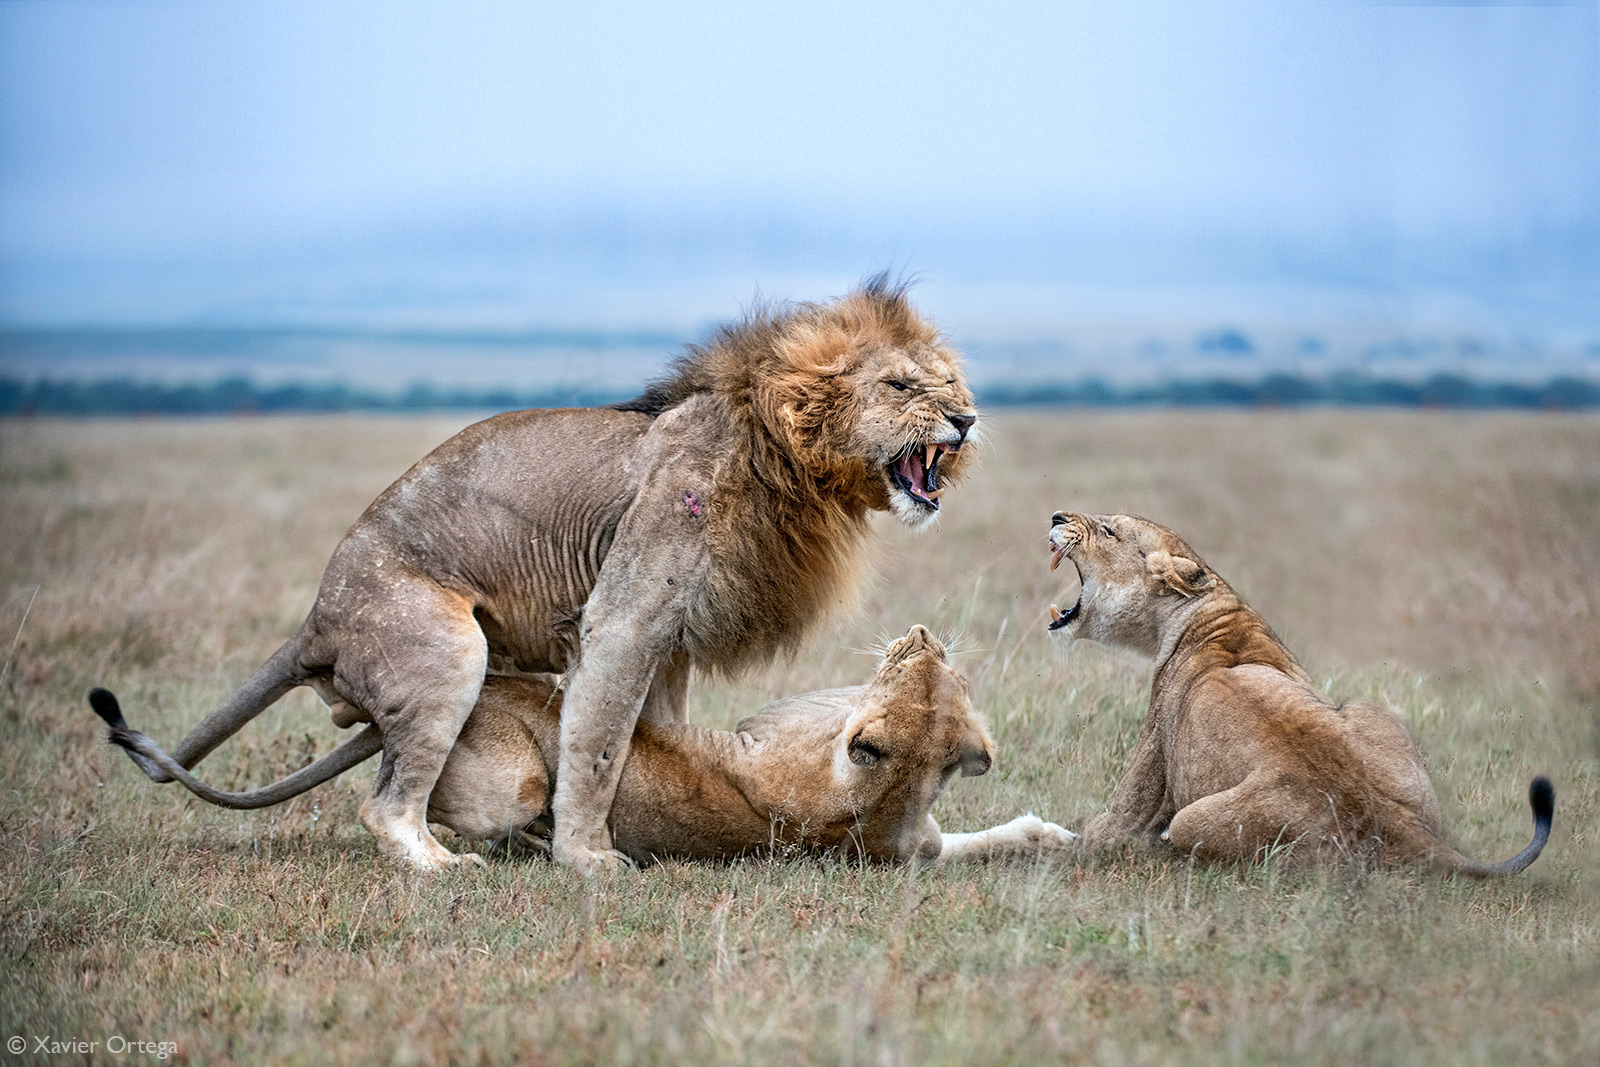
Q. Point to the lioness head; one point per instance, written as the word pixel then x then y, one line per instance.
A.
pixel 913 731
pixel 1134 574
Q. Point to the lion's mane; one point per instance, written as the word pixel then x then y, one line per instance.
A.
pixel 789 512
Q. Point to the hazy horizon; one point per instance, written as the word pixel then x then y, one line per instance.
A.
pixel 1102 179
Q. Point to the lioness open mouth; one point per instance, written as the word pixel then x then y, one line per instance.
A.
pixel 1059 618
pixel 915 471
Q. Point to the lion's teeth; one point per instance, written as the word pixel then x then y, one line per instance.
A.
pixel 1055 613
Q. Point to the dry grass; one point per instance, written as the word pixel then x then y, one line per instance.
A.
pixel 1447 564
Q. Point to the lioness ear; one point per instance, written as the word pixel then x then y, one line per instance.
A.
pixel 1180 574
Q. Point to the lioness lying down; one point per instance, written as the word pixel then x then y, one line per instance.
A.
pixel 853 769
pixel 1239 753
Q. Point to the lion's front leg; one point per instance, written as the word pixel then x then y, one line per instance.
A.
pixel 630 632
pixel 667 702
pixel 630 639
pixel 603 699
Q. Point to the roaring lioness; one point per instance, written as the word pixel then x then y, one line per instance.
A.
pixel 855 770
pixel 709 523
pixel 1239 753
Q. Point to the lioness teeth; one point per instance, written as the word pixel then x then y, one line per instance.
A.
pixel 1055 613
pixel 1057 556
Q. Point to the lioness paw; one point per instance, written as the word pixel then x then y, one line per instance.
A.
pixel 1040 834
pixel 1026 835
pixel 1053 836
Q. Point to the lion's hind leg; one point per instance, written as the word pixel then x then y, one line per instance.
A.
pixel 1242 824
pixel 419 674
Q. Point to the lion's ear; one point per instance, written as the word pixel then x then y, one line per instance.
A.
pixel 1180 574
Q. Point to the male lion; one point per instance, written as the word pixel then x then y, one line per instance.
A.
pixel 854 770
pixel 1238 752
pixel 709 523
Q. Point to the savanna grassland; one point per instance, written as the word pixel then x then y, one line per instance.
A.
pixel 1448 564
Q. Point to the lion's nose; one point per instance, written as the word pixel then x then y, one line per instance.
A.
pixel 1058 518
pixel 962 423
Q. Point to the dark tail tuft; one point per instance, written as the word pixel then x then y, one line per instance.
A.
pixel 1542 798
pixel 105 705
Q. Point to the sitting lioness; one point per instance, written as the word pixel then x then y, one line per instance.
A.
pixel 1239 753
pixel 854 769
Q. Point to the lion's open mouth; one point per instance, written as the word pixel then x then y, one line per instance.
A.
pixel 915 471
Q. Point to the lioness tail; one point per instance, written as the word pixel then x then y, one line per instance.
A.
pixel 152 760
pixel 1542 799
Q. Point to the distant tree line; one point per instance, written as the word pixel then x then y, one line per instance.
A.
pixel 240 396
pixel 237 396
pixel 1290 390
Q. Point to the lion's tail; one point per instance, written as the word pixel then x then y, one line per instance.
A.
pixel 150 758
pixel 1542 799
pixel 281 673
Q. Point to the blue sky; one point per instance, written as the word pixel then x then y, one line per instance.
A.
pixel 513 162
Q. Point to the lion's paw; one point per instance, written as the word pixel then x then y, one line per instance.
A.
pixel 431 862
pixel 420 853
pixel 442 859
pixel 590 862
